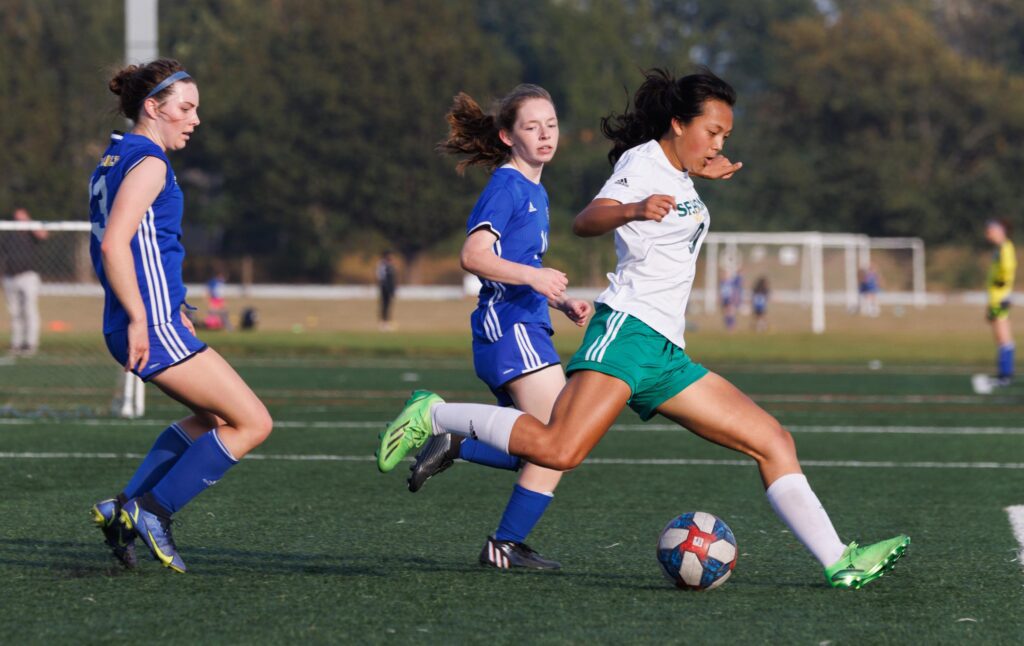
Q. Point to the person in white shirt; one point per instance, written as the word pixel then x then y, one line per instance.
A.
pixel 633 352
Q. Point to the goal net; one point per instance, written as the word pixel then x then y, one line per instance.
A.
pixel 814 271
pixel 54 360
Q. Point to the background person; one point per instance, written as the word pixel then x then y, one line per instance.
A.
pixel 216 304
pixel 1001 275
pixel 19 257
pixel 387 281
pixel 759 303
pixel 868 286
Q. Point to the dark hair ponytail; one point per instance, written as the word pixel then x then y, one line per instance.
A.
pixel 133 83
pixel 473 132
pixel 658 100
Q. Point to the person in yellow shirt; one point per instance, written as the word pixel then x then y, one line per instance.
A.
pixel 1000 287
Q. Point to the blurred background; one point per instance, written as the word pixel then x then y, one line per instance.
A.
pixel 881 119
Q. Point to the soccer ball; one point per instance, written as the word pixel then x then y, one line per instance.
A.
pixel 697 551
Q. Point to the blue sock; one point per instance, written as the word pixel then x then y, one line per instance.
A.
pixel 480 453
pixel 205 462
pixel 524 509
pixel 169 446
pixel 1006 360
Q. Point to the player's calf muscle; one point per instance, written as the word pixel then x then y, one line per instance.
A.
pixel 546 446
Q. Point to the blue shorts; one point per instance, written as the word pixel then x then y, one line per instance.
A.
pixel 522 349
pixel 169 345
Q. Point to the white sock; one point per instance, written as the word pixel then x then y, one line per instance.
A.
pixel 794 502
pixel 490 424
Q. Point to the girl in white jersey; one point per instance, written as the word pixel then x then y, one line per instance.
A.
pixel 633 353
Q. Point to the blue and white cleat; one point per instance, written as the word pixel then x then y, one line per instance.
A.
pixel 121 540
pixel 155 532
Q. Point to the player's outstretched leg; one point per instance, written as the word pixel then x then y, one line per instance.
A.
pixel 506 555
pixel 410 430
pixel 121 540
pixel 860 565
pixel 153 526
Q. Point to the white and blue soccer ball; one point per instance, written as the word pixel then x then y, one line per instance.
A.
pixel 697 551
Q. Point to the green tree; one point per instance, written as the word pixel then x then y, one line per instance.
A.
pixel 55 106
pixel 875 124
pixel 327 127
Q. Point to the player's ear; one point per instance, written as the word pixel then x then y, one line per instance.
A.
pixel 150 106
pixel 505 138
pixel 677 127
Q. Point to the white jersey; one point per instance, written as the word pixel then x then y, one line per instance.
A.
pixel 657 261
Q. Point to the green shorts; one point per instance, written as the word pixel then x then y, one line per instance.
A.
pixel 623 346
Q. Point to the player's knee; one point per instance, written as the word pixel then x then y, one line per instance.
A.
pixel 779 443
pixel 564 457
pixel 260 426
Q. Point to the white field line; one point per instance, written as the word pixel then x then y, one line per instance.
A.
pixel 325 457
pixel 1016 514
pixel 633 428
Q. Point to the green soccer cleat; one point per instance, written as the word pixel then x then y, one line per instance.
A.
pixel 410 430
pixel 860 565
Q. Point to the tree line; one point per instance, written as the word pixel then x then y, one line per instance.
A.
pixel 320 117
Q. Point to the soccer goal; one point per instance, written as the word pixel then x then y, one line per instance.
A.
pixel 815 270
pixel 54 361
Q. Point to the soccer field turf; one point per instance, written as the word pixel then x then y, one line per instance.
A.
pixel 306 541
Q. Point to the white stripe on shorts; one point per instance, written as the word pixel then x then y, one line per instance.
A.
pixel 531 360
pixel 172 349
pixel 615 333
pixel 596 350
pixel 172 341
pixel 172 333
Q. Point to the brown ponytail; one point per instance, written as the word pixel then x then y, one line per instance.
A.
pixel 474 133
pixel 134 82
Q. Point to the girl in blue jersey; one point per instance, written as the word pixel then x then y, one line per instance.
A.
pixel 507 235
pixel 135 209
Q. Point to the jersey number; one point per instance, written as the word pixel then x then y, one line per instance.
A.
pixel 696 236
pixel 99 189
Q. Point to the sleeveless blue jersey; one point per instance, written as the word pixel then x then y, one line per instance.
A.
pixel 516 210
pixel 156 246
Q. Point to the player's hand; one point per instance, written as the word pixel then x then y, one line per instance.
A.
pixel 578 311
pixel 549 283
pixel 187 322
pixel 138 345
pixel 654 208
pixel 718 168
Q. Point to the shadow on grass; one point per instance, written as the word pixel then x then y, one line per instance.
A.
pixel 77 559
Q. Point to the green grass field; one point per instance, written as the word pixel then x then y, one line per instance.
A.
pixel 306 541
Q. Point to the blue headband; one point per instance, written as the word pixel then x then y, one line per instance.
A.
pixel 162 85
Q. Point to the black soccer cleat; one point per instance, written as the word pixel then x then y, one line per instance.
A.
pixel 506 555
pixel 121 540
pixel 439 453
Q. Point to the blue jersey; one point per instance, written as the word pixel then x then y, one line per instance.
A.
pixel 516 211
pixel 156 246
